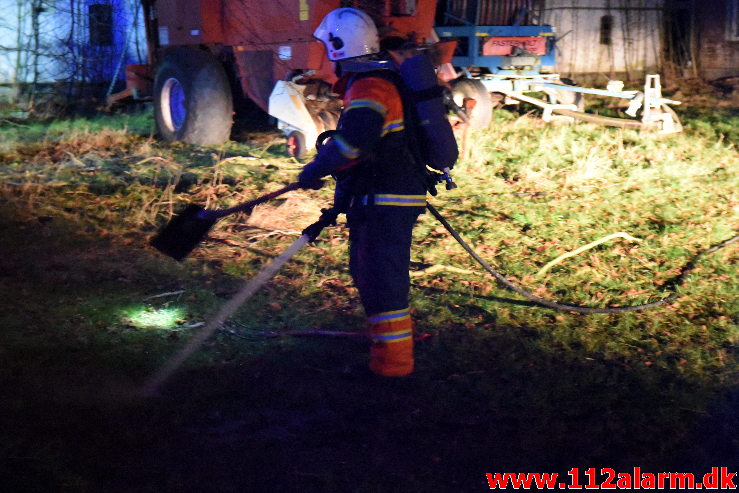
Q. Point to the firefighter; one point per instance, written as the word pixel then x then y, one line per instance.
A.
pixel 378 184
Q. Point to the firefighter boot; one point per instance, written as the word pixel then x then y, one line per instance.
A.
pixel 391 354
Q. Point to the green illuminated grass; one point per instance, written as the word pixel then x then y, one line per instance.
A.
pixel 147 317
pixel 89 311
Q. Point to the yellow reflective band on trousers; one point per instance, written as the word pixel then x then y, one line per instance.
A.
pixel 391 354
pixel 397 200
pixel 392 316
pixel 397 336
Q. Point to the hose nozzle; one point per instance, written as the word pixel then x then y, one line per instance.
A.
pixel 446 176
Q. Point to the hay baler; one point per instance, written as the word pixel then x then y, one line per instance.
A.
pixel 206 57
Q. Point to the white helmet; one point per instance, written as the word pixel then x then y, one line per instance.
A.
pixel 348 33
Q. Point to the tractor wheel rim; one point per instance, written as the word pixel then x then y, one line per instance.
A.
pixel 292 145
pixel 173 104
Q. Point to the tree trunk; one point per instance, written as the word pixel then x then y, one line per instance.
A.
pixel 19 62
pixel 36 9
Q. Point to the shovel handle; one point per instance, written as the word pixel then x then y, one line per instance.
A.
pixel 218 213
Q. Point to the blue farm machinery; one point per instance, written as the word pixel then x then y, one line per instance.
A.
pixel 504 56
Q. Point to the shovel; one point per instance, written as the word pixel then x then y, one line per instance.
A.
pixel 229 308
pixel 183 233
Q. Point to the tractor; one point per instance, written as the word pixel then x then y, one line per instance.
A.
pixel 205 58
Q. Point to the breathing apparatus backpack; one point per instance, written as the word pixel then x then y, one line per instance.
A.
pixel 429 133
pixel 424 100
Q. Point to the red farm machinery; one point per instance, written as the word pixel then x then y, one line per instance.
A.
pixel 207 55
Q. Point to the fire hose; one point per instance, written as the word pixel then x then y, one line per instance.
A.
pixel 189 230
pixel 566 306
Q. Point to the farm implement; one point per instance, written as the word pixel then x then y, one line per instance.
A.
pixel 509 64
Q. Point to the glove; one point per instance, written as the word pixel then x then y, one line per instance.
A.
pixel 328 218
pixel 430 181
pixel 316 185
pixel 308 178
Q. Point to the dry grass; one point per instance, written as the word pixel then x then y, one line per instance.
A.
pixel 500 384
pixel 295 213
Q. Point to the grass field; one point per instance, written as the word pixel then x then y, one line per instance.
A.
pixel 88 311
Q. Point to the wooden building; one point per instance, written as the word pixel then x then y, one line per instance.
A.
pixel 716 24
pixel 598 40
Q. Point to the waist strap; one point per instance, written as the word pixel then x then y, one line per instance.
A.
pixel 397 200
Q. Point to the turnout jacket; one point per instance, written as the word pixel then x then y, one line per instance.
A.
pixel 369 154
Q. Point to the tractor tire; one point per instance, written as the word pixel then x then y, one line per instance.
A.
pixel 482 113
pixel 193 102
pixel 296 145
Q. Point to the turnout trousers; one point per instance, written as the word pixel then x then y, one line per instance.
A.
pixel 379 257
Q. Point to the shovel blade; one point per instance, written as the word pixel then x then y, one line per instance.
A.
pixel 183 233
